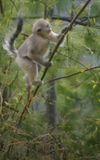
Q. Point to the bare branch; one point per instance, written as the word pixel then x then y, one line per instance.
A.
pixel 68 19
pixel 74 74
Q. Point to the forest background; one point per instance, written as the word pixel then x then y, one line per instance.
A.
pixel 63 120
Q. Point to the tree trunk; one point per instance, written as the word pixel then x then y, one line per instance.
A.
pixel 1 8
pixel 51 105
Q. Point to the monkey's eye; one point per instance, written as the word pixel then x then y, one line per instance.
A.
pixel 39 30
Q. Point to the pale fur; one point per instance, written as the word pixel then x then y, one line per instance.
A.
pixel 34 50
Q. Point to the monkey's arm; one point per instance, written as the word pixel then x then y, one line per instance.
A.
pixel 54 37
pixel 37 58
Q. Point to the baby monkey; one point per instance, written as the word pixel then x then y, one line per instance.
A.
pixel 34 51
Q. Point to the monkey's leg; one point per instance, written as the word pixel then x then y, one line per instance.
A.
pixel 31 78
pixel 29 87
pixel 31 70
pixel 29 93
pixel 33 75
pixel 42 62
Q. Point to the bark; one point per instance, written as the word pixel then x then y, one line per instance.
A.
pixel 1 8
pixel 51 105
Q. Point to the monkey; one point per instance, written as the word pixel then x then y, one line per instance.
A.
pixel 34 50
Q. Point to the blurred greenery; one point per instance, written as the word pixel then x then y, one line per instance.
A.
pixel 77 134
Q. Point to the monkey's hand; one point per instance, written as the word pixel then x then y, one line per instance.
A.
pixel 65 28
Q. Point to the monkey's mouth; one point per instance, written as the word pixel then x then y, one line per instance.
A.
pixel 49 30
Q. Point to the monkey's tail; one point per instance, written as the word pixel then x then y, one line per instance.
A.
pixel 9 42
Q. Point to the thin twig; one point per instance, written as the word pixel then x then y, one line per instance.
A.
pixel 58 17
pixel 11 108
pixel 68 19
pixel 14 4
pixel 74 74
pixel 20 98
pixel 25 34
pixel 75 60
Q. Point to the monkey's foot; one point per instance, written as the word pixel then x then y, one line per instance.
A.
pixel 48 64
pixel 37 83
pixel 30 97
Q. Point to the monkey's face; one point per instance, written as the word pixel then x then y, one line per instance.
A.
pixel 43 28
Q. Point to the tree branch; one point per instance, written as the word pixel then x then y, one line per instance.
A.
pixel 68 19
pixel 74 74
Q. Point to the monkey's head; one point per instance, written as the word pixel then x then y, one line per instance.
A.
pixel 42 28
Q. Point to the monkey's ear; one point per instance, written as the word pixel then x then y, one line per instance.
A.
pixel 39 30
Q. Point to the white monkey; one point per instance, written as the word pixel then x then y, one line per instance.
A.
pixel 34 50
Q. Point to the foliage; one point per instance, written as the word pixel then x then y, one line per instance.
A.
pixel 77 134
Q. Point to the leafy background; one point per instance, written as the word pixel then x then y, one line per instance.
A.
pixel 67 125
